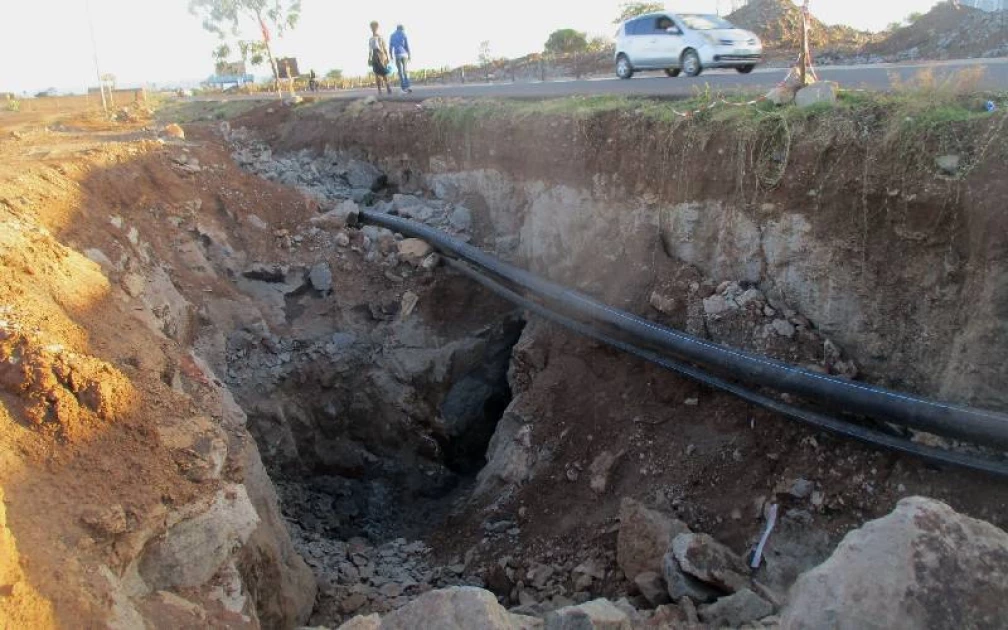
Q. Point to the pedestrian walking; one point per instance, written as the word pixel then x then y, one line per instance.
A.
pixel 312 81
pixel 399 44
pixel 378 58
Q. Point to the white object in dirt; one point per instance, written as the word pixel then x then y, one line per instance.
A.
pixel 757 558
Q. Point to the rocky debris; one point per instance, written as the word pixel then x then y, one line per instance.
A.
pixel 266 273
pixel 321 277
pixel 707 560
pixel 364 175
pixel 652 587
pixel 461 219
pixel 200 444
pixel 951 30
pixel 600 470
pixel 778 24
pixel 679 584
pixel 948 164
pixel 134 284
pixel 414 251
pixel 662 303
pixel 344 215
pixel 173 131
pixel 599 614
pixel 784 328
pixel 450 609
pixel 644 536
pixel 106 522
pixel 821 92
pixel 922 566
pixel 736 610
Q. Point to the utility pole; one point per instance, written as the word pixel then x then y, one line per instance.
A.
pixel 94 49
pixel 805 58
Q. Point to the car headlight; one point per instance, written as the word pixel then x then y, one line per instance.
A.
pixel 710 39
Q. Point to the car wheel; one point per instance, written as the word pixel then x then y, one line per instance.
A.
pixel 691 63
pixel 623 68
pixel 745 69
pixel 673 72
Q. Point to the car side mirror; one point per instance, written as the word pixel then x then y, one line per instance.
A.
pixel 673 30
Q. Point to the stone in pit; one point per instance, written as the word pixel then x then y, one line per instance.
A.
pixel 644 536
pixel 414 250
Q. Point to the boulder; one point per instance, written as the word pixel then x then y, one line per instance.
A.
pixel 461 219
pixel 680 585
pixel 459 608
pixel 191 552
pixel 600 614
pixel 644 536
pixel 321 277
pixel 414 251
pixel 342 216
pixel 735 610
pixel 364 175
pixel 652 587
pixel 923 566
pixel 781 95
pixel 711 562
pixel 819 92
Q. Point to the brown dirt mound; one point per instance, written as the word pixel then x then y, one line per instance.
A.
pixel 778 23
pixel 947 32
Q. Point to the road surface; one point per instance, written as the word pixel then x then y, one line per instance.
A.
pixel 877 77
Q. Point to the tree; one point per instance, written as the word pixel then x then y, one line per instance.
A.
pixel 485 57
pixel 225 18
pixel 599 43
pixel 567 40
pixel 334 75
pixel 629 10
pixel 913 17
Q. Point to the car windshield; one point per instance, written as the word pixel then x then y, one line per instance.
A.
pixel 706 22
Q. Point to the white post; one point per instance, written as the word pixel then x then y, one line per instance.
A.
pixel 94 49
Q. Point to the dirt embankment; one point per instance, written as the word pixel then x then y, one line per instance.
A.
pixel 132 490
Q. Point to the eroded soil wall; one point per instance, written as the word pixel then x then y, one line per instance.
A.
pixel 845 218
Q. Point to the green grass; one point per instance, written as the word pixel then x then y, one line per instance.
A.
pixel 195 111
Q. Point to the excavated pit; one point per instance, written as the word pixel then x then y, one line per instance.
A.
pixel 577 426
pixel 420 431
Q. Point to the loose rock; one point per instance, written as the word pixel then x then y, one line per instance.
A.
pixel 706 559
pixel 922 566
pixel 738 609
pixel 644 536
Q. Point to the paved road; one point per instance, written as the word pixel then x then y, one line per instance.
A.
pixel 871 77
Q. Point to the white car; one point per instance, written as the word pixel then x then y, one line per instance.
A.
pixel 686 43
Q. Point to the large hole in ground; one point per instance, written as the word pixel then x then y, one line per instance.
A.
pixel 378 385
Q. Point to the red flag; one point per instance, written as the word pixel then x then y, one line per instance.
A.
pixel 265 31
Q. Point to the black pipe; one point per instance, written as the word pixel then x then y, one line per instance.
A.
pixel 975 425
pixel 810 418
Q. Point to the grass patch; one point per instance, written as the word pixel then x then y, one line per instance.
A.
pixel 197 111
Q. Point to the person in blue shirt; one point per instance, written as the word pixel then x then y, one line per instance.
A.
pixel 399 45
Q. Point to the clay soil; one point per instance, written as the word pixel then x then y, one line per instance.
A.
pixel 84 381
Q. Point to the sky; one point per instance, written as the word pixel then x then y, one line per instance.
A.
pixel 46 43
